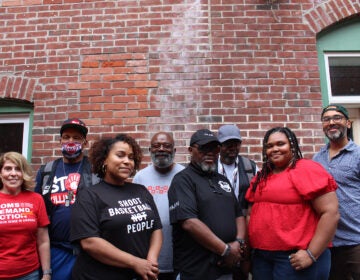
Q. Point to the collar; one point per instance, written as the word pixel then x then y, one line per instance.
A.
pixel 350 146
pixel 198 170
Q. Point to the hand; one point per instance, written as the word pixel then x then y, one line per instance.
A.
pixel 300 260
pixel 146 269
pixel 234 257
pixel 245 251
pixel 154 263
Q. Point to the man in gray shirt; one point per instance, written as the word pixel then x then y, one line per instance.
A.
pixel 157 178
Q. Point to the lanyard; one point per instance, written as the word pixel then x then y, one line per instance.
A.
pixel 71 184
pixel 234 177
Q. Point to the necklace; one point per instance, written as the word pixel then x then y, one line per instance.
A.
pixel 77 171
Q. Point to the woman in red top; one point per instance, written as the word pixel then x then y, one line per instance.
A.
pixel 293 213
pixel 24 239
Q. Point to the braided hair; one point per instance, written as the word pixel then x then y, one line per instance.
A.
pixel 267 166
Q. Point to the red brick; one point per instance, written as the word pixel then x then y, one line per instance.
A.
pixel 247 64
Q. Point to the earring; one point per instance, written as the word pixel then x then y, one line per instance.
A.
pixel 103 169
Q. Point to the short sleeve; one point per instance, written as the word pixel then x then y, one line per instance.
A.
pixel 249 196
pixel 311 180
pixel 42 217
pixel 182 199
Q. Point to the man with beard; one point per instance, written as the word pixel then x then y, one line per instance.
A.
pixel 157 178
pixel 208 223
pixel 341 158
pixel 59 182
pixel 239 170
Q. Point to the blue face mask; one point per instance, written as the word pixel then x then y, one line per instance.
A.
pixel 71 150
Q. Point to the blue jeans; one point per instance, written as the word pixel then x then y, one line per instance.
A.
pixel 62 262
pixel 275 265
pixel 31 276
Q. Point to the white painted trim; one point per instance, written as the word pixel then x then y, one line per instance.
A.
pixel 339 99
pixel 19 118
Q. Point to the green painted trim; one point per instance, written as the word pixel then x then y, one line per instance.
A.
pixel 340 38
pixel 31 124
pixel 7 103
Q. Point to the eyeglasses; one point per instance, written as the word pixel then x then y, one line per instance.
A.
pixel 336 119
pixel 204 149
pixel 165 146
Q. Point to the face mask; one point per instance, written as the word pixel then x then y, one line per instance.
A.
pixel 71 150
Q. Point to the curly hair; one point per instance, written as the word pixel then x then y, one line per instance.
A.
pixel 100 150
pixel 20 161
pixel 267 166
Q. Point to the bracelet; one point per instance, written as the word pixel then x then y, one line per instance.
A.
pixel 241 242
pixel 47 271
pixel 311 255
pixel 226 251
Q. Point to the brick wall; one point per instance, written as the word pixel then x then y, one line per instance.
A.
pixel 144 66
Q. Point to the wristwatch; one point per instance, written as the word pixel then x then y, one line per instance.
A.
pixel 241 242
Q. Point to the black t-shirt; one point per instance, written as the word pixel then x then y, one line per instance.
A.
pixel 208 197
pixel 126 216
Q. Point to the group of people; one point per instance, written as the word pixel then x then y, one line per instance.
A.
pixel 220 217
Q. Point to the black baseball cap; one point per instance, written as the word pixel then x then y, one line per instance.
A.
pixel 76 124
pixel 202 137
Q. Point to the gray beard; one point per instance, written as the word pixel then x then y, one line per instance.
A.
pixel 336 136
pixel 207 168
pixel 164 162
